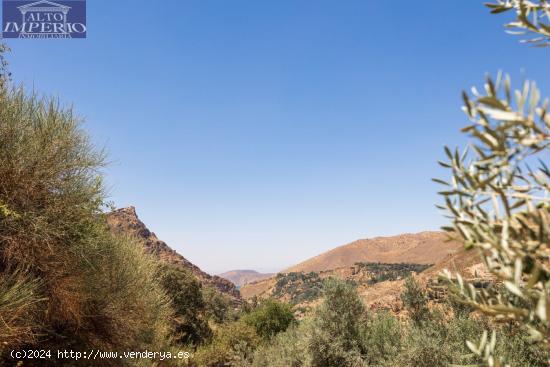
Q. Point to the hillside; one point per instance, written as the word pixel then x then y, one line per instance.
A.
pixel 126 221
pixel 242 277
pixel 379 283
pixel 418 248
pixel 387 294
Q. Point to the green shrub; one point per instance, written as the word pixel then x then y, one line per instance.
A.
pixel 425 347
pixel 270 318
pixel 382 339
pixel 219 308
pixel 126 308
pixel 300 287
pixel 232 345
pixel 415 300
pixel 334 338
pixel 287 349
pixel 515 347
pixel 185 293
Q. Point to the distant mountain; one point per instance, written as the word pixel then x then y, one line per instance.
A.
pixel 417 248
pixel 241 277
pixel 127 222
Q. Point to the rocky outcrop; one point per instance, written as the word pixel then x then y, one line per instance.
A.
pixel 126 221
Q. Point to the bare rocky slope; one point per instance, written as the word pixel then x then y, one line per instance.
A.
pixel 242 277
pixel 126 221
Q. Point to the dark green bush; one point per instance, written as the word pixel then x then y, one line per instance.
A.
pixel 219 308
pixel 270 318
pixel 185 292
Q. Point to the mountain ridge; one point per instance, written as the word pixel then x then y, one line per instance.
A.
pixel 126 221
pixel 241 277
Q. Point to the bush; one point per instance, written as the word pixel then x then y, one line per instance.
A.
pixel 382 339
pixel 415 300
pixel 185 292
pixel 232 345
pixel 515 346
pixel 84 287
pixel 335 335
pixel 270 318
pixel 424 347
pixel 219 308
pixel 18 300
pixel 126 308
pixel 287 349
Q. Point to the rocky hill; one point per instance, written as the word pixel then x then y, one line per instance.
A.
pixel 417 248
pixel 126 221
pixel 378 283
pixel 242 277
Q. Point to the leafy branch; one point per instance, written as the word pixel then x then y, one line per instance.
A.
pixel 532 17
pixel 498 202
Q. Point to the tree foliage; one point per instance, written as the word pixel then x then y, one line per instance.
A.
pixel 271 318
pixel 335 337
pixel 185 293
pixel 532 18
pixel 498 196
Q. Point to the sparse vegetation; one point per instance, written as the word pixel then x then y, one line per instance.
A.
pixel 298 287
pixel 380 272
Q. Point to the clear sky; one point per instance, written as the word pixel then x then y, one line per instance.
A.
pixel 255 134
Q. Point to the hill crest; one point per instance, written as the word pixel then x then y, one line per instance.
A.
pixel 419 248
pixel 126 221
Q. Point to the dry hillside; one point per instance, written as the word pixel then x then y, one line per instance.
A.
pixel 418 248
pixel 127 222
pixel 387 294
pixel 422 248
pixel 241 277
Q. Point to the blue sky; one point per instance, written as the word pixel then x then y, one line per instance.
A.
pixel 255 134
